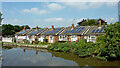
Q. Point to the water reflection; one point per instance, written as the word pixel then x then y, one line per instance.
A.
pixel 42 57
pixel 36 52
pixel 32 57
pixel 89 61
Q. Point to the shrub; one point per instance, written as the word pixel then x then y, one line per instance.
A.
pixel 14 40
pixel 34 42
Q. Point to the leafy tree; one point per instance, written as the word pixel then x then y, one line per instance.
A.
pixel 90 22
pixel 35 28
pixel 8 29
pixel 17 28
pixel 109 44
pixel 26 26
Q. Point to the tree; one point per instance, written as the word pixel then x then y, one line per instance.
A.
pixel 8 29
pixel 17 28
pixel 109 44
pixel 91 22
pixel 26 26
pixel 0 18
pixel 35 28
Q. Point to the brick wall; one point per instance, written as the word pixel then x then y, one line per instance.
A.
pixel 82 37
pixel 69 38
pixel 78 37
pixel 55 38
pixel 38 37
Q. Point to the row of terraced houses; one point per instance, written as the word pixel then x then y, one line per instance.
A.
pixel 73 33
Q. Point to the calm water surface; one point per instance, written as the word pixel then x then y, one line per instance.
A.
pixel 41 57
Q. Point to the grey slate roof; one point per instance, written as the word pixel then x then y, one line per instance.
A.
pixel 54 31
pixel 90 31
pixel 23 32
pixel 78 30
pixel 37 32
pixel 75 30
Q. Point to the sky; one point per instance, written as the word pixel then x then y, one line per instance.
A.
pixel 59 14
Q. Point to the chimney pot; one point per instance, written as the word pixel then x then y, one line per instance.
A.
pixel 100 23
pixel 36 27
pixel 72 25
pixel 24 28
pixel 119 18
pixel 52 27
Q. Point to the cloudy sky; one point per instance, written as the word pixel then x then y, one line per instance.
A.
pixel 45 14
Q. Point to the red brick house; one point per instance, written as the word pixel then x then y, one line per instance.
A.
pixel 94 32
pixel 52 34
pixel 73 33
pixel 35 34
pixel 22 35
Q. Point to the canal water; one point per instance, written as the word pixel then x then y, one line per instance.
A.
pixel 16 56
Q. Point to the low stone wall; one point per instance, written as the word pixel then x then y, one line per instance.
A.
pixel 21 45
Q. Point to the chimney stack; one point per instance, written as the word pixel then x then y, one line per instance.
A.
pixel 100 23
pixel 36 27
pixel 119 18
pixel 52 27
pixel 72 25
pixel 24 28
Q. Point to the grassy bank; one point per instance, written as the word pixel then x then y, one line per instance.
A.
pixel 84 49
pixel 39 44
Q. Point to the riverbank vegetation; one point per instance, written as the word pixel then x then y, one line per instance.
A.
pixel 107 47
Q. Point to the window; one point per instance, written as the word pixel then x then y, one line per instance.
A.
pixel 74 36
pixel 33 36
pixel 60 37
pixel 92 37
pixel 51 37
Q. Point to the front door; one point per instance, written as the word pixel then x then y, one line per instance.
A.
pixel 42 37
pixel 50 38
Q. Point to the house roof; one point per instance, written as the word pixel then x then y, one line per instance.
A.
pixel 79 30
pixel 37 32
pixel 54 31
pixel 94 30
pixel 23 32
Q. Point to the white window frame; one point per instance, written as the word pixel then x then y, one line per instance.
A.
pixel 73 37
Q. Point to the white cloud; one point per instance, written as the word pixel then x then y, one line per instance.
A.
pixel 12 21
pixel 55 6
pixel 57 22
pixel 35 11
pixel 53 19
pixel 86 5
pixel 112 3
pixel 52 6
pixel 60 0
pixel 80 5
pixel 96 4
pixel 26 10
pixel 110 20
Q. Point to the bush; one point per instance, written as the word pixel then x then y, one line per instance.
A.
pixel 34 42
pixel 14 40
